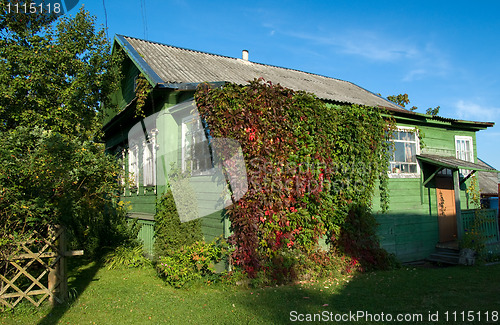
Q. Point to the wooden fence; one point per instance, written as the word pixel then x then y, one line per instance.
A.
pixel 488 223
pixel 36 270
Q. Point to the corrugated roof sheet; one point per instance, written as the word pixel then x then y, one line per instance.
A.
pixel 177 65
pixel 488 182
pixel 454 163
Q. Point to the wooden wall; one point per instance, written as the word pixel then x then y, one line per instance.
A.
pixel 409 229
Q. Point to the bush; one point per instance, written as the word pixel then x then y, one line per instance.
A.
pixel 47 178
pixel 358 241
pixel 128 257
pixel 180 266
pixel 170 232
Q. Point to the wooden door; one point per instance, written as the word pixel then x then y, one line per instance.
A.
pixel 447 216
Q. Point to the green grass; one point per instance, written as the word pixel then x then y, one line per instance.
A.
pixel 137 296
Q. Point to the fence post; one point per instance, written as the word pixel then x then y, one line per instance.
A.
pixel 63 283
pixel 57 274
pixel 52 280
pixel 52 285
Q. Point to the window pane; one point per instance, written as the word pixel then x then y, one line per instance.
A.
pixel 404 157
pixel 196 153
pixel 399 151
pixel 410 152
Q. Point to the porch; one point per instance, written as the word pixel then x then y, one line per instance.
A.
pixel 447 176
pixel 481 221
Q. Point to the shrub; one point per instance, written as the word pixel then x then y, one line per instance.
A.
pixel 128 257
pixel 179 266
pixel 358 241
pixel 170 232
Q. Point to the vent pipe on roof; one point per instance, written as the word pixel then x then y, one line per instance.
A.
pixel 244 55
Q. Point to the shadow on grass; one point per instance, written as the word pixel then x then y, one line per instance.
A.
pixel 407 295
pixel 81 274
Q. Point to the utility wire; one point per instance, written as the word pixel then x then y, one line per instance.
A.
pixel 144 18
pixel 106 18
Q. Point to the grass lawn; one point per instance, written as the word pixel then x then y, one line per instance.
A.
pixel 136 296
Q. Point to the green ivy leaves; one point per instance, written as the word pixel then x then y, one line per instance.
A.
pixel 307 161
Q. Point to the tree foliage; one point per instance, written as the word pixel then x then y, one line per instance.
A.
pixel 403 100
pixel 54 76
pixel 308 163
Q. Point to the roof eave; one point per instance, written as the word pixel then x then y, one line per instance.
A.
pixel 439 119
pixel 153 78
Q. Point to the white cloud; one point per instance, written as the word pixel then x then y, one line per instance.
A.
pixel 367 44
pixel 474 111
pixel 416 60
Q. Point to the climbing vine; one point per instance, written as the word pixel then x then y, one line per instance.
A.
pixel 309 163
pixel 142 91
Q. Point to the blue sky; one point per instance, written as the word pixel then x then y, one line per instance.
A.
pixel 444 53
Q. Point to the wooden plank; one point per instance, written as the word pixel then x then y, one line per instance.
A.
pixel 73 253
pixel 456 186
pixel 35 255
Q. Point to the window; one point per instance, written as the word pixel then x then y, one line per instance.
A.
pixel 142 161
pixel 133 165
pixel 196 155
pixel 149 159
pixel 404 156
pixel 464 150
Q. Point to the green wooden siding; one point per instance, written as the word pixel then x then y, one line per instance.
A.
pixel 146 235
pixel 141 203
pixel 125 93
pixel 409 229
pixel 215 225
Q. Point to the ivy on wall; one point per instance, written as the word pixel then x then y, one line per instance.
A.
pixel 309 163
pixel 142 91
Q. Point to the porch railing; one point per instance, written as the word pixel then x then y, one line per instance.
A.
pixel 487 223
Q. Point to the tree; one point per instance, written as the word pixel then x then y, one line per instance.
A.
pixel 403 100
pixel 433 111
pixel 55 75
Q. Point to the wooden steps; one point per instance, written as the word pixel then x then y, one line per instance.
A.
pixel 445 255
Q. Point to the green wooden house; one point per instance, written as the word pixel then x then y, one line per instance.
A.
pixel 433 162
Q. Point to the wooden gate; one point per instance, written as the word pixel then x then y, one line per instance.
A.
pixel 36 269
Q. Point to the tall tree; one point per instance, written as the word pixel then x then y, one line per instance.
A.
pixel 52 75
pixel 55 74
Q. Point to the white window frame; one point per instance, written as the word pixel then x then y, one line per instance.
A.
pixel 468 154
pixel 149 159
pixel 184 155
pixel 133 165
pixel 417 152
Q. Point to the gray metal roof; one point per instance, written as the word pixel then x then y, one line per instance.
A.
pixel 488 181
pixel 454 163
pixel 174 65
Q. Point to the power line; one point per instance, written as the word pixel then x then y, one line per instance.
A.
pixel 144 18
pixel 105 18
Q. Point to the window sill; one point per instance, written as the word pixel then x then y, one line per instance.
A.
pixel 404 175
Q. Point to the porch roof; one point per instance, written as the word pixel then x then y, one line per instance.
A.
pixel 454 163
